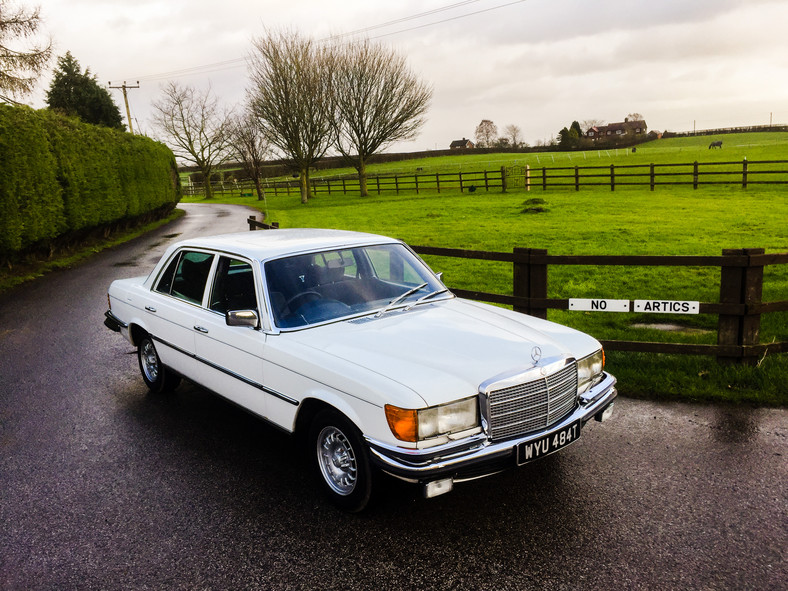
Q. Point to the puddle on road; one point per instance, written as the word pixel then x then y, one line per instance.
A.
pixel 735 425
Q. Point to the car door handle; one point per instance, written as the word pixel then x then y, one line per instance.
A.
pixel 201 329
pixel 150 308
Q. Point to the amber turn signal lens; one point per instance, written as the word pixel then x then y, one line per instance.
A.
pixel 402 422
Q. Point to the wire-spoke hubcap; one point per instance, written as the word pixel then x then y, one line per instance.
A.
pixel 150 361
pixel 337 460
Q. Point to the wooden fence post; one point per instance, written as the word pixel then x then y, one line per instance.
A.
pixel 504 184
pixel 742 286
pixel 744 174
pixel 544 178
pixel 577 178
pixel 538 284
pixel 529 280
pixel 653 179
pixel 612 177
pixel 753 295
pixel 521 286
pixel 695 175
pixel 438 181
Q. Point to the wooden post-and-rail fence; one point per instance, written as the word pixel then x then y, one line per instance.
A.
pixel 739 308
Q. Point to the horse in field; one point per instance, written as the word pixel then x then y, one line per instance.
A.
pixel 717 144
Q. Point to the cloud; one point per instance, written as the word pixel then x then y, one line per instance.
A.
pixel 539 64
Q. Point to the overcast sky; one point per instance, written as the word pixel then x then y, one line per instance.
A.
pixel 538 64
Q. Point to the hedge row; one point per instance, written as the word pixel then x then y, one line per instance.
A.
pixel 59 175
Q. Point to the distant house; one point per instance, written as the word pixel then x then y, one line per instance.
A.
pixel 462 144
pixel 614 131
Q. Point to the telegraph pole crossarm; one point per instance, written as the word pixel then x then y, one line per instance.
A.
pixel 123 87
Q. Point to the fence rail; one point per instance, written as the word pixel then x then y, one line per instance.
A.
pixel 449 181
pixel 739 308
pixel 743 173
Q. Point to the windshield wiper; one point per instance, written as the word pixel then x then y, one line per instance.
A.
pixel 399 298
pixel 432 294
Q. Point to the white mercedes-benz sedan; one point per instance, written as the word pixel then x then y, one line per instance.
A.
pixel 351 342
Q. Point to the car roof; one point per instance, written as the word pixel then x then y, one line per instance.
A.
pixel 268 244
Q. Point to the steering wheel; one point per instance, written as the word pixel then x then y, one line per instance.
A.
pixel 301 295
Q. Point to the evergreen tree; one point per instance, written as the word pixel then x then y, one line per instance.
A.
pixel 19 68
pixel 79 94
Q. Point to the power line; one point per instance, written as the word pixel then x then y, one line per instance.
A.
pixel 403 19
pixel 446 20
pixel 238 62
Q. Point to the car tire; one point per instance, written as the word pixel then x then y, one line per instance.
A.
pixel 341 460
pixel 157 377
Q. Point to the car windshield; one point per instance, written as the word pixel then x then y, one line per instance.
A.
pixel 318 287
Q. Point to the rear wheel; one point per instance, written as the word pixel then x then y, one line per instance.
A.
pixel 341 460
pixel 157 377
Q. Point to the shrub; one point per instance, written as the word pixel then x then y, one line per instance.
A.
pixel 59 175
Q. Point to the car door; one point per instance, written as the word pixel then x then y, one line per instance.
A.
pixel 232 355
pixel 174 305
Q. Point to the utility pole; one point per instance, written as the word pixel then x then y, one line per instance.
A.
pixel 123 87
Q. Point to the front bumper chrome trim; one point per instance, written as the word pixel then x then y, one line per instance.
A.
pixel 113 323
pixel 476 452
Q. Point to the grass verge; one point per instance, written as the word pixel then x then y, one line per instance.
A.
pixel 33 266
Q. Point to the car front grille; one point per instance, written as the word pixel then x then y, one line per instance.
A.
pixel 533 405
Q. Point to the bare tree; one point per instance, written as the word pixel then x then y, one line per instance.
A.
pixel 194 127
pixel 486 134
pixel 250 148
pixel 634 117
pixel 513 134
pixel 290 95
pixel 20 68
pixel 377 101
pixel 589 123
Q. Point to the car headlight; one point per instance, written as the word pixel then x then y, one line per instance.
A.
pixel 589 370
pixel 436 421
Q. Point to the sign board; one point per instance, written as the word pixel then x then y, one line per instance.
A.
pixel 667 306
pixel 599 305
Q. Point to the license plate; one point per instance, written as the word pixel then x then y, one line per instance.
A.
pixel 532 450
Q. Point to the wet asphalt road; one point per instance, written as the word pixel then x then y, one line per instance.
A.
pixel 105 487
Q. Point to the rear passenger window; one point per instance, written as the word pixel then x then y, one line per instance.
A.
pixel 233 286
pixel 186 275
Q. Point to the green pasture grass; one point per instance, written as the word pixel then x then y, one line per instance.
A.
pixel 685 150
pixel 736 147
pixel 630 221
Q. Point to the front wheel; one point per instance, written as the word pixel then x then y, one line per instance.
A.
pixel 341 460
pixel 156 376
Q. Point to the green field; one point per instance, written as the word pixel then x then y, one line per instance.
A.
pixel 667 221
pixel 736 147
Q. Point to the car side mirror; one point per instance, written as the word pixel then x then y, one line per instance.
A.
pixel 242 318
